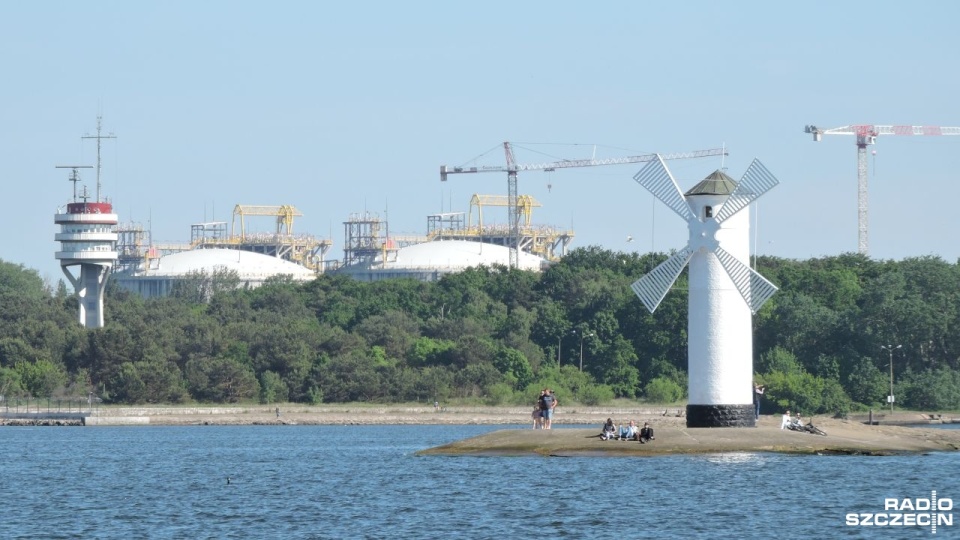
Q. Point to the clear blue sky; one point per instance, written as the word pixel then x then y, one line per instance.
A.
pixel 350 106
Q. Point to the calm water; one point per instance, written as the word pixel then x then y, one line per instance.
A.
pixel 365 482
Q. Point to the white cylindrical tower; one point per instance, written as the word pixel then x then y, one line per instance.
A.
pixel 88 239
pixel 720 334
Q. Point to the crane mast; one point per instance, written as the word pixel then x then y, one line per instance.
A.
pixel 514 210
pixel 512 168
pixel 866 134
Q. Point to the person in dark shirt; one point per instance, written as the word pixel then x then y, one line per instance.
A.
pixel 758 390
pixel 548 402
pixel 609 430
pixel 646 433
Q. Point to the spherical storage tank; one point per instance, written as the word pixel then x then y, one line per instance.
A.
pixel 430 260
pixel 252 269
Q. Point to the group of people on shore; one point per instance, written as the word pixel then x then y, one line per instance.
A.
pixel 626 432
pixel 790 422
pixel 543 409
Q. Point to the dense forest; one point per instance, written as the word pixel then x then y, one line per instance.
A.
pixel 822 344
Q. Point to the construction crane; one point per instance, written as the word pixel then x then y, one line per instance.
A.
pixel 866 135
pixel 512 168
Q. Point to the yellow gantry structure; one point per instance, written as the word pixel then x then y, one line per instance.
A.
pixel 543 240
pixel 302 249
pixel 525 205
pixel 284 215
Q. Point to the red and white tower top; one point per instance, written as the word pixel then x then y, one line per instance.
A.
pixel 88 239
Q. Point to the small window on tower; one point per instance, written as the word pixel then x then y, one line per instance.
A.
pixel 708 211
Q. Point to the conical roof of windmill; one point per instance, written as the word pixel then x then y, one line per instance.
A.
pixel 717 183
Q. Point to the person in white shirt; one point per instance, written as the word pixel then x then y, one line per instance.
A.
pixel 786 420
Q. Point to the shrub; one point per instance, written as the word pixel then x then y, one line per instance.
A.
pixel 272 388
pixel 595 394
pixel 663 390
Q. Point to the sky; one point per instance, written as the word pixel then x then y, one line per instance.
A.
pixel 347 107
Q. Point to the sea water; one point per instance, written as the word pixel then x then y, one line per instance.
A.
pixel 366 482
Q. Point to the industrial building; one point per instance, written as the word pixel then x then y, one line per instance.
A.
pixel 429 261
pixel 251 269
pixel 545 241
pixel 153 269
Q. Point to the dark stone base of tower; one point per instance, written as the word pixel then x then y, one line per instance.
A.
pixel 721 416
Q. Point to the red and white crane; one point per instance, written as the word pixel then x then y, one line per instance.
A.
pixel 513 167
pixel 866 135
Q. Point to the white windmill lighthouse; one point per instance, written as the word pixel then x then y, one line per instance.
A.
pixel 724 290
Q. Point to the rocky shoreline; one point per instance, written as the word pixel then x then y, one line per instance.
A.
pixel 21 422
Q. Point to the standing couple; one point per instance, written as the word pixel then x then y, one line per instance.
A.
pixel 548 402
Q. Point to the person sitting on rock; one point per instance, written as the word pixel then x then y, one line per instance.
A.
pixel 785 421
pixel 628 431
pixel 646 433
pixel 609 430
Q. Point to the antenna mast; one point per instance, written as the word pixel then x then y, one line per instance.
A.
pixel 74 175
pixel 99 137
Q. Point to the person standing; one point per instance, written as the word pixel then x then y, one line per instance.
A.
pixel 548 402
pixel 537 420
pixel 758 390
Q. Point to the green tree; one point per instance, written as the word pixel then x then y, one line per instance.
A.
pixel 931 390
pixel 512 363
pixel 663 390
pixel 866 384
pixel 220 380
pixel 427 351
pixel 272 388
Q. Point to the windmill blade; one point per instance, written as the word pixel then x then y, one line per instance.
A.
pixel 657 179
pixel 652 287
pixel 754 183
pixel 754 288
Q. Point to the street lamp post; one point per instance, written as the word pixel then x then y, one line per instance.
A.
pixel 890 349
pixel 559 339
pixel 582 336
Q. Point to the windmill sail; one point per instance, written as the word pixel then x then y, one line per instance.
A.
pixel 754 288
pixel 754 183
pixel 653 287
pixel 657 179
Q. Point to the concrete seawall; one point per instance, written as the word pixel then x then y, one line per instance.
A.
pixel 69 419
pixel 116 420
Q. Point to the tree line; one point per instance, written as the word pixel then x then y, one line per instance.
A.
pixel 823 344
